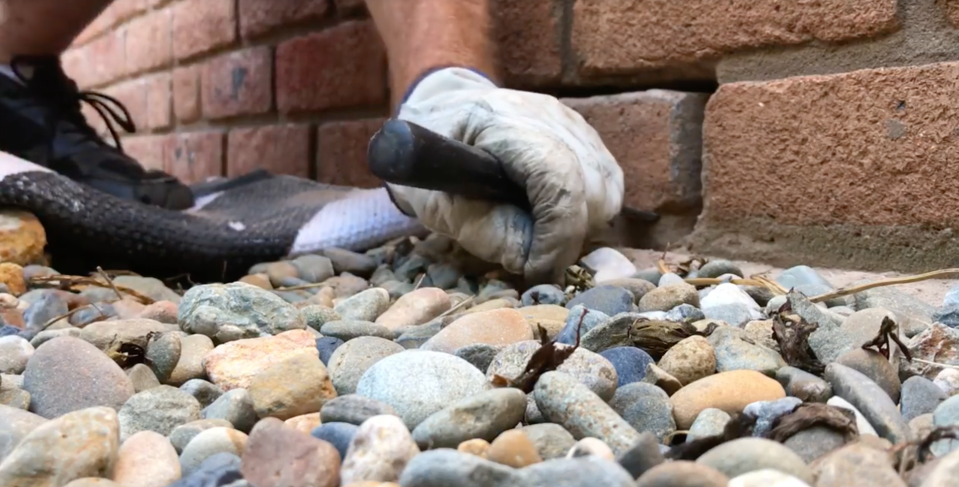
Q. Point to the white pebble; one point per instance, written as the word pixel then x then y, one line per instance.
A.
pixel 948 381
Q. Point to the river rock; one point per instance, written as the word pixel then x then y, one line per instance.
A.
pixel 802 384
pixel 340 435
pixel 204 392
pixel 746 455
pixel 142 377
pixel 236 407
pixel 630 363
pixel 551 440
pixel 415 308
pixel 15 424
pixel 306 462
pixel 181 436
pixel 146 459
pixel 550 316
pixel 159 409
pixel 734 352
pixel 915 315
pixel 766 413
pixel 728 303
pixel 729 391
pixel 222 469
pixel 584 323
pixel 233 365
pixel 208 443
pixel 646 408
pixel 544 294
pixel 316 316
pixel 709 422
pixel 495 327
pixel 919 396
pixel 513 449
pixel 870 399
pixel 946 414
pixel 948 381
pixel 668 297
pixel 480 354
pixel 689 360
pixel 484 415
pixel 353 409
pixel 682 473
pixel 684 313
pixel 350 361
pixel 379 451
pixel 227 312
pixel 856 464
pixel 275 394
pixel 193 348
pixel 364 306
pixel 814 442
pixel 591 369
pixel 608 264
pixel 862 424
pixel 14 354
pixel 445 467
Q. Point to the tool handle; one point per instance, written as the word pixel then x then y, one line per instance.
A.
pixel 408 154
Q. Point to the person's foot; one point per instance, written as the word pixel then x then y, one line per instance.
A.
pixel 41 122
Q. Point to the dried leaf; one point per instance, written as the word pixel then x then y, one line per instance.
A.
pixel 808 415
pixel 793 340
pixel 658 336
pixel 738 427
pixel 548 357
pixel 888 330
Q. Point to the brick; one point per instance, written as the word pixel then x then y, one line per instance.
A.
pixel 237 83
pixel 344 66
pixel 96 63
pixel 133 95
pixel 656 137
pixel 626 36
pixel 126 9
pixel 149 42
pixel 259 17
pixel 281 149
pixel 844 169
pixel 528 33
pixel 341 148
pixel 149 150
pixel 200 26
pixel 196 156
pixel 159 101
pixel 186 93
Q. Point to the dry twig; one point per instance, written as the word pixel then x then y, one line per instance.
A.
pixel 888 330
pixel 547 357
pixel 793 340
pixel 78 283
pixel 939 274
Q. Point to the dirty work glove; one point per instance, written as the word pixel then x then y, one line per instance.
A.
pixel 573 183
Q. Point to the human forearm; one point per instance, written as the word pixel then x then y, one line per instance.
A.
pixel 424 34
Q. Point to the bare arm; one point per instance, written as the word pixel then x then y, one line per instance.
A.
pixel 424 34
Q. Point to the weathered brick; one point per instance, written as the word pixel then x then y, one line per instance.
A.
pixel 344 66
pixel 341 148
pixel 202 25
pixel 262 16
pixel 846 169
pixel 281 149
pixel 149 42
pixel 98 62
pixel 186 93
pixel 149 150
pixel 133 95
pixel 196 156
pixel 626 36
pixel 159 101
pixel 126 9
pixel 528 33
pixel 656 137
pixel 237 83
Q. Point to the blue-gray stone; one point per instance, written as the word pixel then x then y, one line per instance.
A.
pixel 630 363
pixel 576 472
pixel 337 434
pixel 686 313
pixel 40 312
pixel 645 407
pixel 652 275
pixel 411 267
pixel 716 268
pixel 444 275
pixel 592 319
pixel 326 347
pixel 947 315
pixel 347 330
pixel 445 467
pixel 873 402
pixel 806 280
pixel 237 310
pixel 919 396
pixel 946 414
pixel 735 353
pixel 7 330
pixel 610 300
pixel 219 470
pixel 544 294
pixel 767 412
pixel 646 453
pixel 415 336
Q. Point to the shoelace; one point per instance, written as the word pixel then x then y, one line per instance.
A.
pixel 49 80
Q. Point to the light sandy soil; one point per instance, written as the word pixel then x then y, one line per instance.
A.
pixel 931 291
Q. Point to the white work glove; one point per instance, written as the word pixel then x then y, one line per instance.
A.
pixel 574 184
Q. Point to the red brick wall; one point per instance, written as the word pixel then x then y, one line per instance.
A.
pixel 812 98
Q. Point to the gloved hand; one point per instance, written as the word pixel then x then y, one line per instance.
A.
pixel 574 184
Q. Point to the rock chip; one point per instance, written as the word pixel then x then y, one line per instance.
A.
pixel 484 415
pixel 306 462
pixel 682 473
pixel 870 399
pixel 919 396
pixel 668 297
pixel 551 440
pixel 299 384
pixel 495 327
pixel 228 312
pixel 68 374
pixel 159 409
pixel 513 449
pixel 181 436
pixel 630 363
pixel 856 464
pixel 367 305
pixel 689 360
pixel 210 442
pixel 15 424
pixel 379 451
pixel 415 308
pixel 146 459
pixel 235 407
pixel 729 391
pixel 709 422
pixel 746 455
pixel 233 365
pixel 340 435
pixel 646 408
pixel 802 384
pixel 350 361
pixel 733 352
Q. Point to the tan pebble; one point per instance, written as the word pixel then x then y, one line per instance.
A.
pixel 476 446
pixel 496 327
pixel 162 311
pixel 304 423
pixel 277 271
pixel 729 391
pixel 497 303
pixel 682 473
pixel 305 461
pixel 379 451
pixel 550 316
pixel 415 308
pixel 324 297
pixel 659 378
pixel 513 448
pixel 689 360
pixel 146 459
pixel 92 482
pixel 142 377
pixel 761 332
pixel 234 364
pixel 12 275
pixel 299 384
pixel 193 349
pixel 261 281
pixel 22 237
pixel 591 446
pixel 208 443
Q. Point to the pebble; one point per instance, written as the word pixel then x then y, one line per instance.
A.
pixel 610 300
pixel 446 467
pixel 236 407
pixel 205 392
pixel 43 311
pixel 480 355
pixel 689 360
pixel 919 396
pixel 68 374
pixel 47 335
pixel 346 285
pixel 513 449
pixel 159 409
pixel 814 442
pixel 730 391
pixel 326 346
pixel 870 399
pixel 22 237
pixel 162 311
pixel 944 473
pixel 733 352
pixel 729 303
pixel 761 333
pixel 163 354
pixel 484 415
pixel 551 440
pixel 921 426
pixel 668 297
pixel 439 379
pixel 802 384
pixel 495 327
pixel 476 446
pixel 856 464
pixel 914 314
pixel 348 261
pixel 555 392
pixel 946 414
pixel 444 276
pixel 14 354
pixel 17 398
pixel 709 422
pixel 591 446
pixel 862 424
pixel 670 278
pixel 78 444
pixel 11 275
pixel 379 451
pixel 107 334
pixel 316 316
pixel 416 336
pixel 210 442
pixel 544 294
pixel 228 312
pixel 608 264
pixel 745 455
pixel 314 268
pixel 552 317
pixel 767 413
pixel 275 395
pixel 92 482
pixel 260 280
pixel 353 409
pixel 340 435
pixel 350 361
pixel 719 267
pixel 148 286
pixel 948 381
pixel 306 461
pixel 806 280
pixel 142 378
pixel 415 308
pixel 630 363
pixel 590 369
pixel 222 469
pixel 181 436
pixel 15 424
pixel 766 478
pixel 682 473
pixel 661 379
pixel 233 365
pixel 646 408
pixel 576 320
pixel 364 306
pixel 684 313
pixel 146 459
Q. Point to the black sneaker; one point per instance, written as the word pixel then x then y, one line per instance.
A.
pixel 41 122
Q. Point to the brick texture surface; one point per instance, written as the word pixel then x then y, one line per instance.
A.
pixel 344 66
pixel 195 156
pixel 282 149
pixel 186 93
pixel 341 148
pixel 202 25
pixel 656 137
pixel 262 16
pixel 150 150
pixel 622 36
pixel 529 36
pixel 98 62
pixel 149 43
pixel 133 95
pixel 159 101
pixel 237 83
